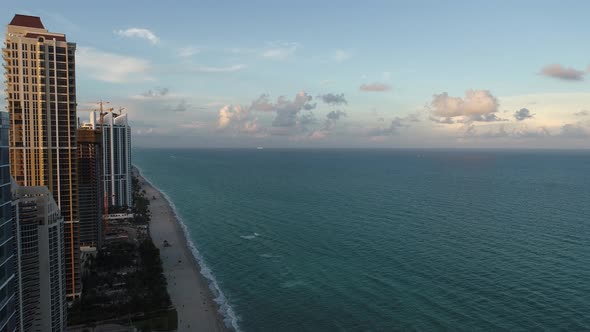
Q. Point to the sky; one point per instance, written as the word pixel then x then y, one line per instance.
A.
pixel 375 74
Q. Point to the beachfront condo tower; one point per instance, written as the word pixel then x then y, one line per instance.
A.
pixel 41 99
pixel 40 268
pixel 90 188
pixel 8 278
pixel 116 142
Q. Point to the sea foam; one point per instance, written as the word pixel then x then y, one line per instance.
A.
pixel 229 317
pixel 250 236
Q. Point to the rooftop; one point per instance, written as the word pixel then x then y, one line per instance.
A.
pixel 27 21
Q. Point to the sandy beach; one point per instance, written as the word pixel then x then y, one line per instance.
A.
pixel 187 287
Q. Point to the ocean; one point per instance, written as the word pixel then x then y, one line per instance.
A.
pixel 384 240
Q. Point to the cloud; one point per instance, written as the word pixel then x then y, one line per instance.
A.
pixel 523 114
pixel 394 126
pixel 446 120
pixel 291 117
pixel 139 33
pixel 335 115
pixel 525 133
pixel 341 55
pixel 182 106
pixel 476 106
pixel 234 116
pixel 582 113
pixel 332 118
pixel 484 118
pixel 279 50
pixel 228 69
pixel 375 87
pixel 192 125
pixel 317 135
pixel 262 104
pixel 562 73
pixel 471 131
pixel 111 67
pixel 189 51
pixel 156 93
pixel 333 99
pixel 287 111
pixel 576 130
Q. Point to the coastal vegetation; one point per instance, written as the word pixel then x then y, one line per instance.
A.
pixel 125 281
pixel 140 202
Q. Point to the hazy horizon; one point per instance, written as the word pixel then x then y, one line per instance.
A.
pixel 295 75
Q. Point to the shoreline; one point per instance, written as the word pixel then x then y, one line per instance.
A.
pixel 188 288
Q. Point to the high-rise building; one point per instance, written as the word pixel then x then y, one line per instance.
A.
pixel 8 278
pixel 116 142
pixel 41 100
pixel 90 186
pixel 40 268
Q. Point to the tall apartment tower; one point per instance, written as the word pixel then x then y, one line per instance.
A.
pixel 8 280
pixel 41 100
pixel 90 186
pixel 116 139
pixel 40 268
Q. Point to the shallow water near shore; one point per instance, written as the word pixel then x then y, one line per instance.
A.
pixel 387 240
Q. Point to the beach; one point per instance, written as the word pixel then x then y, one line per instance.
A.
pixel 188 289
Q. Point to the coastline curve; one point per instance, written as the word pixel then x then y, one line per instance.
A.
pixel 225 309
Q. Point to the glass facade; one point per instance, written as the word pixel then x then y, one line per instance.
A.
pixel 7 227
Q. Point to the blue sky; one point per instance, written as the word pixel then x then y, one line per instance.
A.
pixel 334 74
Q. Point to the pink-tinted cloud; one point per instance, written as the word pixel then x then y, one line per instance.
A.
pixel 477 104
pixel 560 72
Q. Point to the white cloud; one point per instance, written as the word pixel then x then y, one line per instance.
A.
pixel 228 69
pixel 233 116
pixel 189 51
pixel 111 67
pixel 341 55
pixel 279 51
pixel 139 33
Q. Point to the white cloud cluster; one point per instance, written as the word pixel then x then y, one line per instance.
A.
pixel 475 106
pixel 475 102
pixel 283 117
pixel 139 33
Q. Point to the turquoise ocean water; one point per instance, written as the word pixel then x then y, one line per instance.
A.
pixel 382 240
